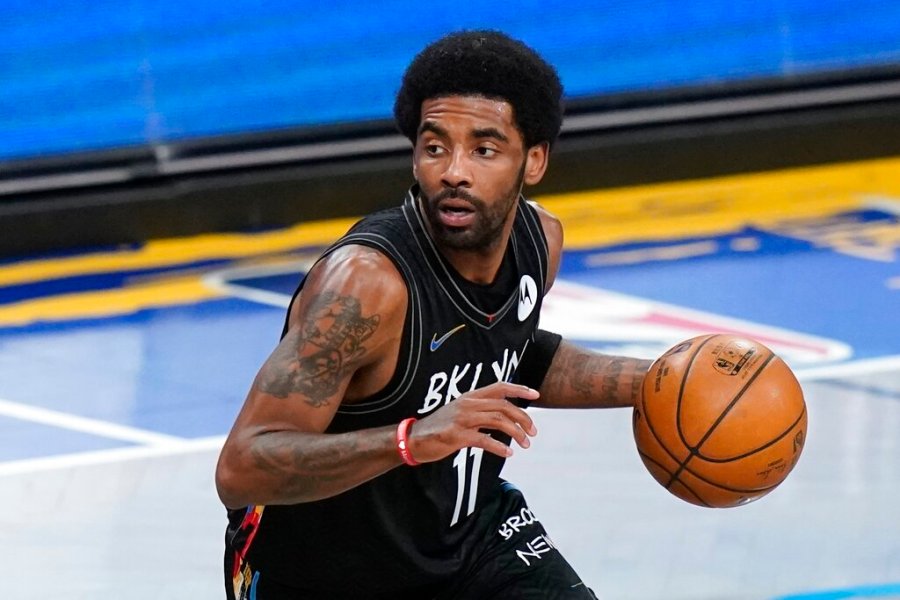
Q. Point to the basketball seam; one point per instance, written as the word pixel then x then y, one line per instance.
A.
pixel 733 402
pixel 695 450
pixel 649 458
pixel 673 477
pixel 706 481
pixel 683 383
pixel 775 440
pixel 647 415
pixel 752 490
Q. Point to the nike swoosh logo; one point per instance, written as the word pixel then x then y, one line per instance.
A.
pixel 436 341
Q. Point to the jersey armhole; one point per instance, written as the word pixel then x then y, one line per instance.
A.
pixel 410 339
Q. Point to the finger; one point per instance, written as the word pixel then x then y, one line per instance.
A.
pixel 513 413
pixel 519 417
pixel 500 421
pixel 494 413
pixel 489 444
pixel 502 389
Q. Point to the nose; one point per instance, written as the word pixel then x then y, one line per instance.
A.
pixel 457 172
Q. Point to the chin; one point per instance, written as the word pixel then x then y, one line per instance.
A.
pixel 458 239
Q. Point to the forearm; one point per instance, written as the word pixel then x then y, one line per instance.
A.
pixel 581 378
pixel 290 467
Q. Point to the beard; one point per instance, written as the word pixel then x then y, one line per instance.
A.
pixel 489 220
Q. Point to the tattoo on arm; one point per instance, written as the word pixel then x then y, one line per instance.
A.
pixel 313 357
pixel 637 382
pixel 580 378
pixel 609 387
pixel 303 472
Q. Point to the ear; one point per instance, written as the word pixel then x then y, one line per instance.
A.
pixel 536 161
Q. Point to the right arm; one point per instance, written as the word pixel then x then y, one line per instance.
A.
pixel 342 344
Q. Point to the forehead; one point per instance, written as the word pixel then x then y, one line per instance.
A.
pixel 470 113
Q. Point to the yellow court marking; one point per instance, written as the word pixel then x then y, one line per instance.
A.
pixel 175 251
pixel 593 219
pixel 720 205
pixel 107 303
pixel 642 255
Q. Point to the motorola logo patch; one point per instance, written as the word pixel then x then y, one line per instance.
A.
pixel 528 296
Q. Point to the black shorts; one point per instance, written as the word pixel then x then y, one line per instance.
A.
pixel 517 561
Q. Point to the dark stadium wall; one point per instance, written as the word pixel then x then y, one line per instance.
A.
pixel 263 197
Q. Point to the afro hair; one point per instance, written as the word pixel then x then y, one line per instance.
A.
pixel 487 64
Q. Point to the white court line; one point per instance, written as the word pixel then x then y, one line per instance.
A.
pixel 221 281
pixel 849 369
pixel 85 425
pixel 250 294
pixel 115 455
pixel 169 446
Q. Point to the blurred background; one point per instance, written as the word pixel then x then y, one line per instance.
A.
pixel 141 119
pixel 168 170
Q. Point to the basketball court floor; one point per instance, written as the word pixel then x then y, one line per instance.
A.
pixel 122 369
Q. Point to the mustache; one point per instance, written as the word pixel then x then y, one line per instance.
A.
pixel 457 193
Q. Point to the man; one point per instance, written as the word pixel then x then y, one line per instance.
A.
pixel 365 462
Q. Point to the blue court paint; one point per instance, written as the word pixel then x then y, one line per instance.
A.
pixel 185 370
pixel 784 283
pixel 94 281
pixel 283 284
pixel 22 439
pixel 890 590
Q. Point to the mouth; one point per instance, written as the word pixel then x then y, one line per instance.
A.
pixel 456 212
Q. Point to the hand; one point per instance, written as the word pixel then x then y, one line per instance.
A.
pixel 462 423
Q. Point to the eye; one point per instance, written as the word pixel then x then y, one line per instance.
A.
pixel 485 151
pixel 433 149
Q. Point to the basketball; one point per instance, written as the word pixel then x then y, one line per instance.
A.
pixel 721 420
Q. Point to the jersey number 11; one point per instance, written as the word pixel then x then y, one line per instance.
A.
pixel 461 464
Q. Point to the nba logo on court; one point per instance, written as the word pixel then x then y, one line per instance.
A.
pixel 616 323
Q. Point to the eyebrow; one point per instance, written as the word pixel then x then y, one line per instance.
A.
pixel 490 132
pixel 485 132
pixel 433 128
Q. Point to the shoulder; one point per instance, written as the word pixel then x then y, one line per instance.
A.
pixel 386 222
pixel 357 277
pixel 553 228
pixel 553 231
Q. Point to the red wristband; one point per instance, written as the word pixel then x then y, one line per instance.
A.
pixel 403 443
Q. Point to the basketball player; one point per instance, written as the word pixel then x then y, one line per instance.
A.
pixel 365 462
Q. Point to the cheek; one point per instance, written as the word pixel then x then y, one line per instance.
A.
pixel 426 174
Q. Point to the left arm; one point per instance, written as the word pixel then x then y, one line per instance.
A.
pixel 581 378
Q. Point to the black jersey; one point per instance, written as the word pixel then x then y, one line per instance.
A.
pixel 407 532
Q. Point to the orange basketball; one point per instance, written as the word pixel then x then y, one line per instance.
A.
pixel 721 421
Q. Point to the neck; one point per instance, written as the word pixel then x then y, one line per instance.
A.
pixel 477 266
